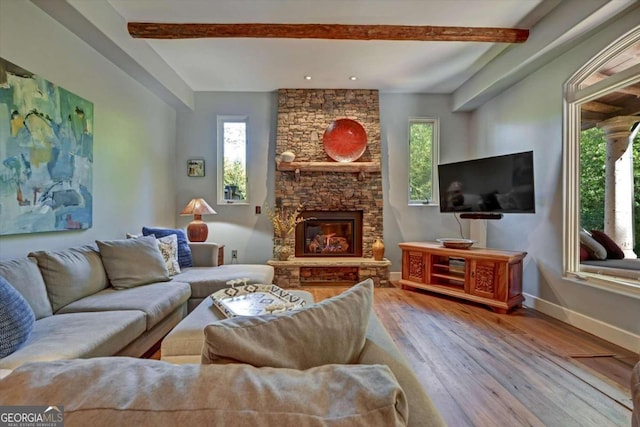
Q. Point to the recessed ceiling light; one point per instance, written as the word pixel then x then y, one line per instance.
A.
pixel 353 78
pixel 307 77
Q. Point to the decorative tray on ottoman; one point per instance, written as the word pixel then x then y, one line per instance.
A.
pixel 255 300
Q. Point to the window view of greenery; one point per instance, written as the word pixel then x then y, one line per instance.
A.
pixel 420 161
pixel 592 173
pixel 235 164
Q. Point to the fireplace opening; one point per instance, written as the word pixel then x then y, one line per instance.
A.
pixel 329 233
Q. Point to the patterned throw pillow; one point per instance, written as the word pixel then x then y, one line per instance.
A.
pixel 16 319
pixel 169 248
pixel 185 259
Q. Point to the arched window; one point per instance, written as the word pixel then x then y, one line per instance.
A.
pixel 605 93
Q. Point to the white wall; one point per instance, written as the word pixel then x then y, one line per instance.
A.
pixel 235 226
pixel 134 131
pixel 528 116
pixel 238 227
pixel 404 223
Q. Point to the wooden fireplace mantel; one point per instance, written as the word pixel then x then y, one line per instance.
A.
pixel 370 167
pixel 338 167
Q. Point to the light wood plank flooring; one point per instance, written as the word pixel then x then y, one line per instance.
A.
pixel 519 369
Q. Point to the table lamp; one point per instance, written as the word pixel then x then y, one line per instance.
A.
pixel 197 230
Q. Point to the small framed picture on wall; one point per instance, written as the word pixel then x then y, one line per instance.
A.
pixel 195 167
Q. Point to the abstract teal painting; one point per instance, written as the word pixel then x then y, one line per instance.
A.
pixel 46 155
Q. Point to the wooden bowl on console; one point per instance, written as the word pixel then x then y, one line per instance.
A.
pixel 454 243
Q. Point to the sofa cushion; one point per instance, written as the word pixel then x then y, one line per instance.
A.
pixel 136 392
pixel 78 335
pixel 613 250
pixel 206 280
pixel 16 319
pixel 332 331
pixel 133 262
pixel 156 300
pixel 184 251
pixel 71 274
pixel 25 276
pixel 168 246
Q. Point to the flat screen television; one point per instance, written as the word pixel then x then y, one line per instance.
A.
pixel 499 184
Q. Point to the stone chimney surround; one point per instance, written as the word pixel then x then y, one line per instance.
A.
pixel 318 183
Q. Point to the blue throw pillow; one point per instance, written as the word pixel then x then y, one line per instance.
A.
pixel 16 319
pixel 184 251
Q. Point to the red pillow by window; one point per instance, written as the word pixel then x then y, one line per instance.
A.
pixel 584 253
pixel 613 250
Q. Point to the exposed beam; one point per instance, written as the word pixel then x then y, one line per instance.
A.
pixel 597 77
pixel 600 107
pixel 155 30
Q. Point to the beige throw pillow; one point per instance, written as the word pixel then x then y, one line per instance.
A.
pixel 133 262
pixel 332 331
pixel 71 274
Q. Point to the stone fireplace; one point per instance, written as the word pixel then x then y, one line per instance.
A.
pixel 344 199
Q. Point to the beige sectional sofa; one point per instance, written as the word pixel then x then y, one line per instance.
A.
pixel 328 364
pixel 80 315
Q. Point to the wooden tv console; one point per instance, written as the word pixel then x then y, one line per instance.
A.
pixel 486 276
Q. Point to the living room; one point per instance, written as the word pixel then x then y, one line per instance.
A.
pixel 143 140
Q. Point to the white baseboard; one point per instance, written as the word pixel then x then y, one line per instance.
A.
pixel 600 329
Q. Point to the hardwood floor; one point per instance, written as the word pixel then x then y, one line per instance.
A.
pixel 519 369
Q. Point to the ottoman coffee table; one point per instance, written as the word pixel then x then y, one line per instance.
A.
pixel 184 343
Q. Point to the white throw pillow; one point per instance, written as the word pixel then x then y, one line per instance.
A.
pixel 595 249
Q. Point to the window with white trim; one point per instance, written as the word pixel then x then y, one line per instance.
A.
pixel 232 159
pixel 423 161
pixel 583 90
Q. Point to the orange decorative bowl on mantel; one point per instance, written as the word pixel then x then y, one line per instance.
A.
pixel 345 140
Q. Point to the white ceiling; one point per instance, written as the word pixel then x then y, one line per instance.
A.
pixel 471 72
pixel 269 64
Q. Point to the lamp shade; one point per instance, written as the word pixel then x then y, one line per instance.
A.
pixel 197 230
pixel 197 207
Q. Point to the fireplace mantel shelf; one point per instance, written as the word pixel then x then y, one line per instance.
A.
pixel 328 166
pixel 329 262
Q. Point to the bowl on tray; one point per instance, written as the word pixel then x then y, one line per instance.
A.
pixel 454 243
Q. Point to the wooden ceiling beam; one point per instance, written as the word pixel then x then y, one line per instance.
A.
pixel 598 77
pixel 600 107
pixel 156 30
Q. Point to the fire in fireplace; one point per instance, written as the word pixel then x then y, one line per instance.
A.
pixel 329 233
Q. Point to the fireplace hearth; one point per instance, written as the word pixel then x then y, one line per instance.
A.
pixel 329 233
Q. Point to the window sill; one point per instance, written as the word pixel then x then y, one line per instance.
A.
pixel 423 204
pixel 619 285
pixel 225 202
